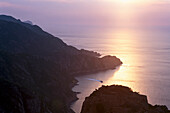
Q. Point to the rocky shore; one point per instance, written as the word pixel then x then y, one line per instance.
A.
pixel 119 99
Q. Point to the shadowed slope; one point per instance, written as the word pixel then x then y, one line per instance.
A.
pixel 119 99
pixel 37 69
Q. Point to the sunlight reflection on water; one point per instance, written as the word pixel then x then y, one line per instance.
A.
pixel 145 66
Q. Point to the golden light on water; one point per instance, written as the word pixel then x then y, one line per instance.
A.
pixel 131 45
pixel 126 75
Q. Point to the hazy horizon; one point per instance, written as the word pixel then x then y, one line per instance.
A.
pixel 135 31
pixel 70 16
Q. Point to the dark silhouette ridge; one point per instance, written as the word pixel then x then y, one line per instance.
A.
pixel 119 99
pixel 37 69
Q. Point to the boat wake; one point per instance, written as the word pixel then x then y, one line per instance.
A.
pixel 95 80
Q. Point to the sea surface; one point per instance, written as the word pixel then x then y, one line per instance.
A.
pixel 146 62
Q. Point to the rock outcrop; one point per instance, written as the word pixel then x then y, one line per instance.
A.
pixel 119 99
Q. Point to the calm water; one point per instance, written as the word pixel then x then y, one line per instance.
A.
pixel 146 62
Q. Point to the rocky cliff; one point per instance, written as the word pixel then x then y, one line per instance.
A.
pixel 37 69
pixel 119 99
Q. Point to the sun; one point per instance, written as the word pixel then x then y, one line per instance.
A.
pixel 130 1
pixel 125 0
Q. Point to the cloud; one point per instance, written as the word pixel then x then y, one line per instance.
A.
pixel 59 1
pixel 10 5
pixel 6 4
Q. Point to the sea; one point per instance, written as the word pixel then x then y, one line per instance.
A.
pixel 146 62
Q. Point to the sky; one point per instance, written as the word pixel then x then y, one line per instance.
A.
pixel 60 16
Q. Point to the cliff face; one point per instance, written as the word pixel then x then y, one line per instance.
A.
pixel 32 84
pixel 37 69
pixel 119 99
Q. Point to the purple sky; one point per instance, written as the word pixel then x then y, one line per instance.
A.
pixel 57 16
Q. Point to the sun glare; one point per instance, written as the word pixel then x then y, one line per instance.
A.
pixel 125 0
pixel 131 1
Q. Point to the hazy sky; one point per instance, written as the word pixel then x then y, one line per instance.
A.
pixel 56 16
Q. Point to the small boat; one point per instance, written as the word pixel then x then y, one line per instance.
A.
pixel 101 81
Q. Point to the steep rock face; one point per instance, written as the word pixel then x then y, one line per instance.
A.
pixel 30 84
pixel 19 100
pixel 119 99
pixel 37 69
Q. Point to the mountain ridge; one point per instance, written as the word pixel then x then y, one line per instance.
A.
pixel 37 70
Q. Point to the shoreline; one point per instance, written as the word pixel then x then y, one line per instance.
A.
pixel 75 83
pixel 152 105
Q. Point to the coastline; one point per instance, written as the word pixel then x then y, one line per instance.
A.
pixel 82 81
pixel 41 67
pixel 75 83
